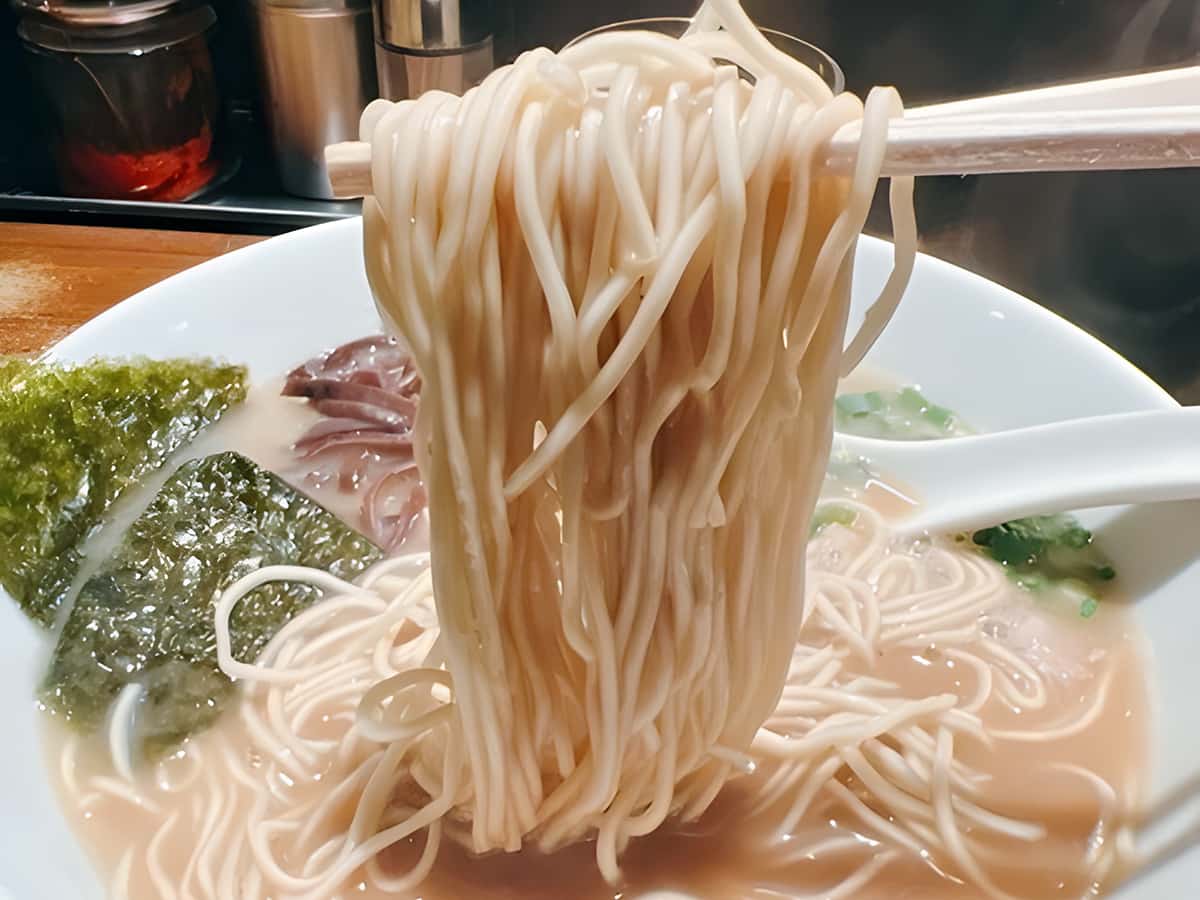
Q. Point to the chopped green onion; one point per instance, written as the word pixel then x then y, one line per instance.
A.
pixel 904 414
pixel 855 405
pixel 940 416
pixel 1030 581
pixel 831 514
pixel 1042 554
pixel 911 400
pixel 875 401
pixel 851 405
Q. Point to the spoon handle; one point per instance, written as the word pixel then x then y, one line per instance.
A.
pixel 973 482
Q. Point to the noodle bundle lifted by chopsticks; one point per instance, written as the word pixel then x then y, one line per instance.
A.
pixel 624 277
pixel 623 274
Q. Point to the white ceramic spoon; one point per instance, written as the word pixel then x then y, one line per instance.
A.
pixel 981 480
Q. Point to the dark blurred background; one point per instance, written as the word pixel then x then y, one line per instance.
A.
pixel 1119 254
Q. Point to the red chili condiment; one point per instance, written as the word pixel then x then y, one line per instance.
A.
pixel 173 174
pixel 130 99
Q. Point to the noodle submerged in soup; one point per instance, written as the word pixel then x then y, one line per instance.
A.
pixel 1048 747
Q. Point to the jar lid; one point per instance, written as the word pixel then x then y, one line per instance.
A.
pixel 313 6
pixel 98 12
pixel 168 25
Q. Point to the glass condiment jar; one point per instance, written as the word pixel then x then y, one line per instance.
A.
pixel 128 95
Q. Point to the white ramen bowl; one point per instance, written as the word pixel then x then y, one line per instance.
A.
pixel 999 359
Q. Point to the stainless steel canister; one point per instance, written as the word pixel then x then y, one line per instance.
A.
pixel 318 73
pixel 423 45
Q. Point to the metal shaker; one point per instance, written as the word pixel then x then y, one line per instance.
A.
pixel 423 45
pixel 318 73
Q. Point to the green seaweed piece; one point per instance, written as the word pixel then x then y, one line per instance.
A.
pixel 73 438
pixel 147 615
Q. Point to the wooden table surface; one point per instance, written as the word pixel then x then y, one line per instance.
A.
pixel 53 278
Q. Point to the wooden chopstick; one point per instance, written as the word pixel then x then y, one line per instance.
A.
pixel 1146 121
pixel 349 168
pixel 1086 140
pixel 1165 87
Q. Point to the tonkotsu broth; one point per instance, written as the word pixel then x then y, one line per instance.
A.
pixel 730 852
pixel 624 277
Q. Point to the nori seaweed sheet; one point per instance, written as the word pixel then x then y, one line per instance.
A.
pixel 73 438
pixel 147 615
